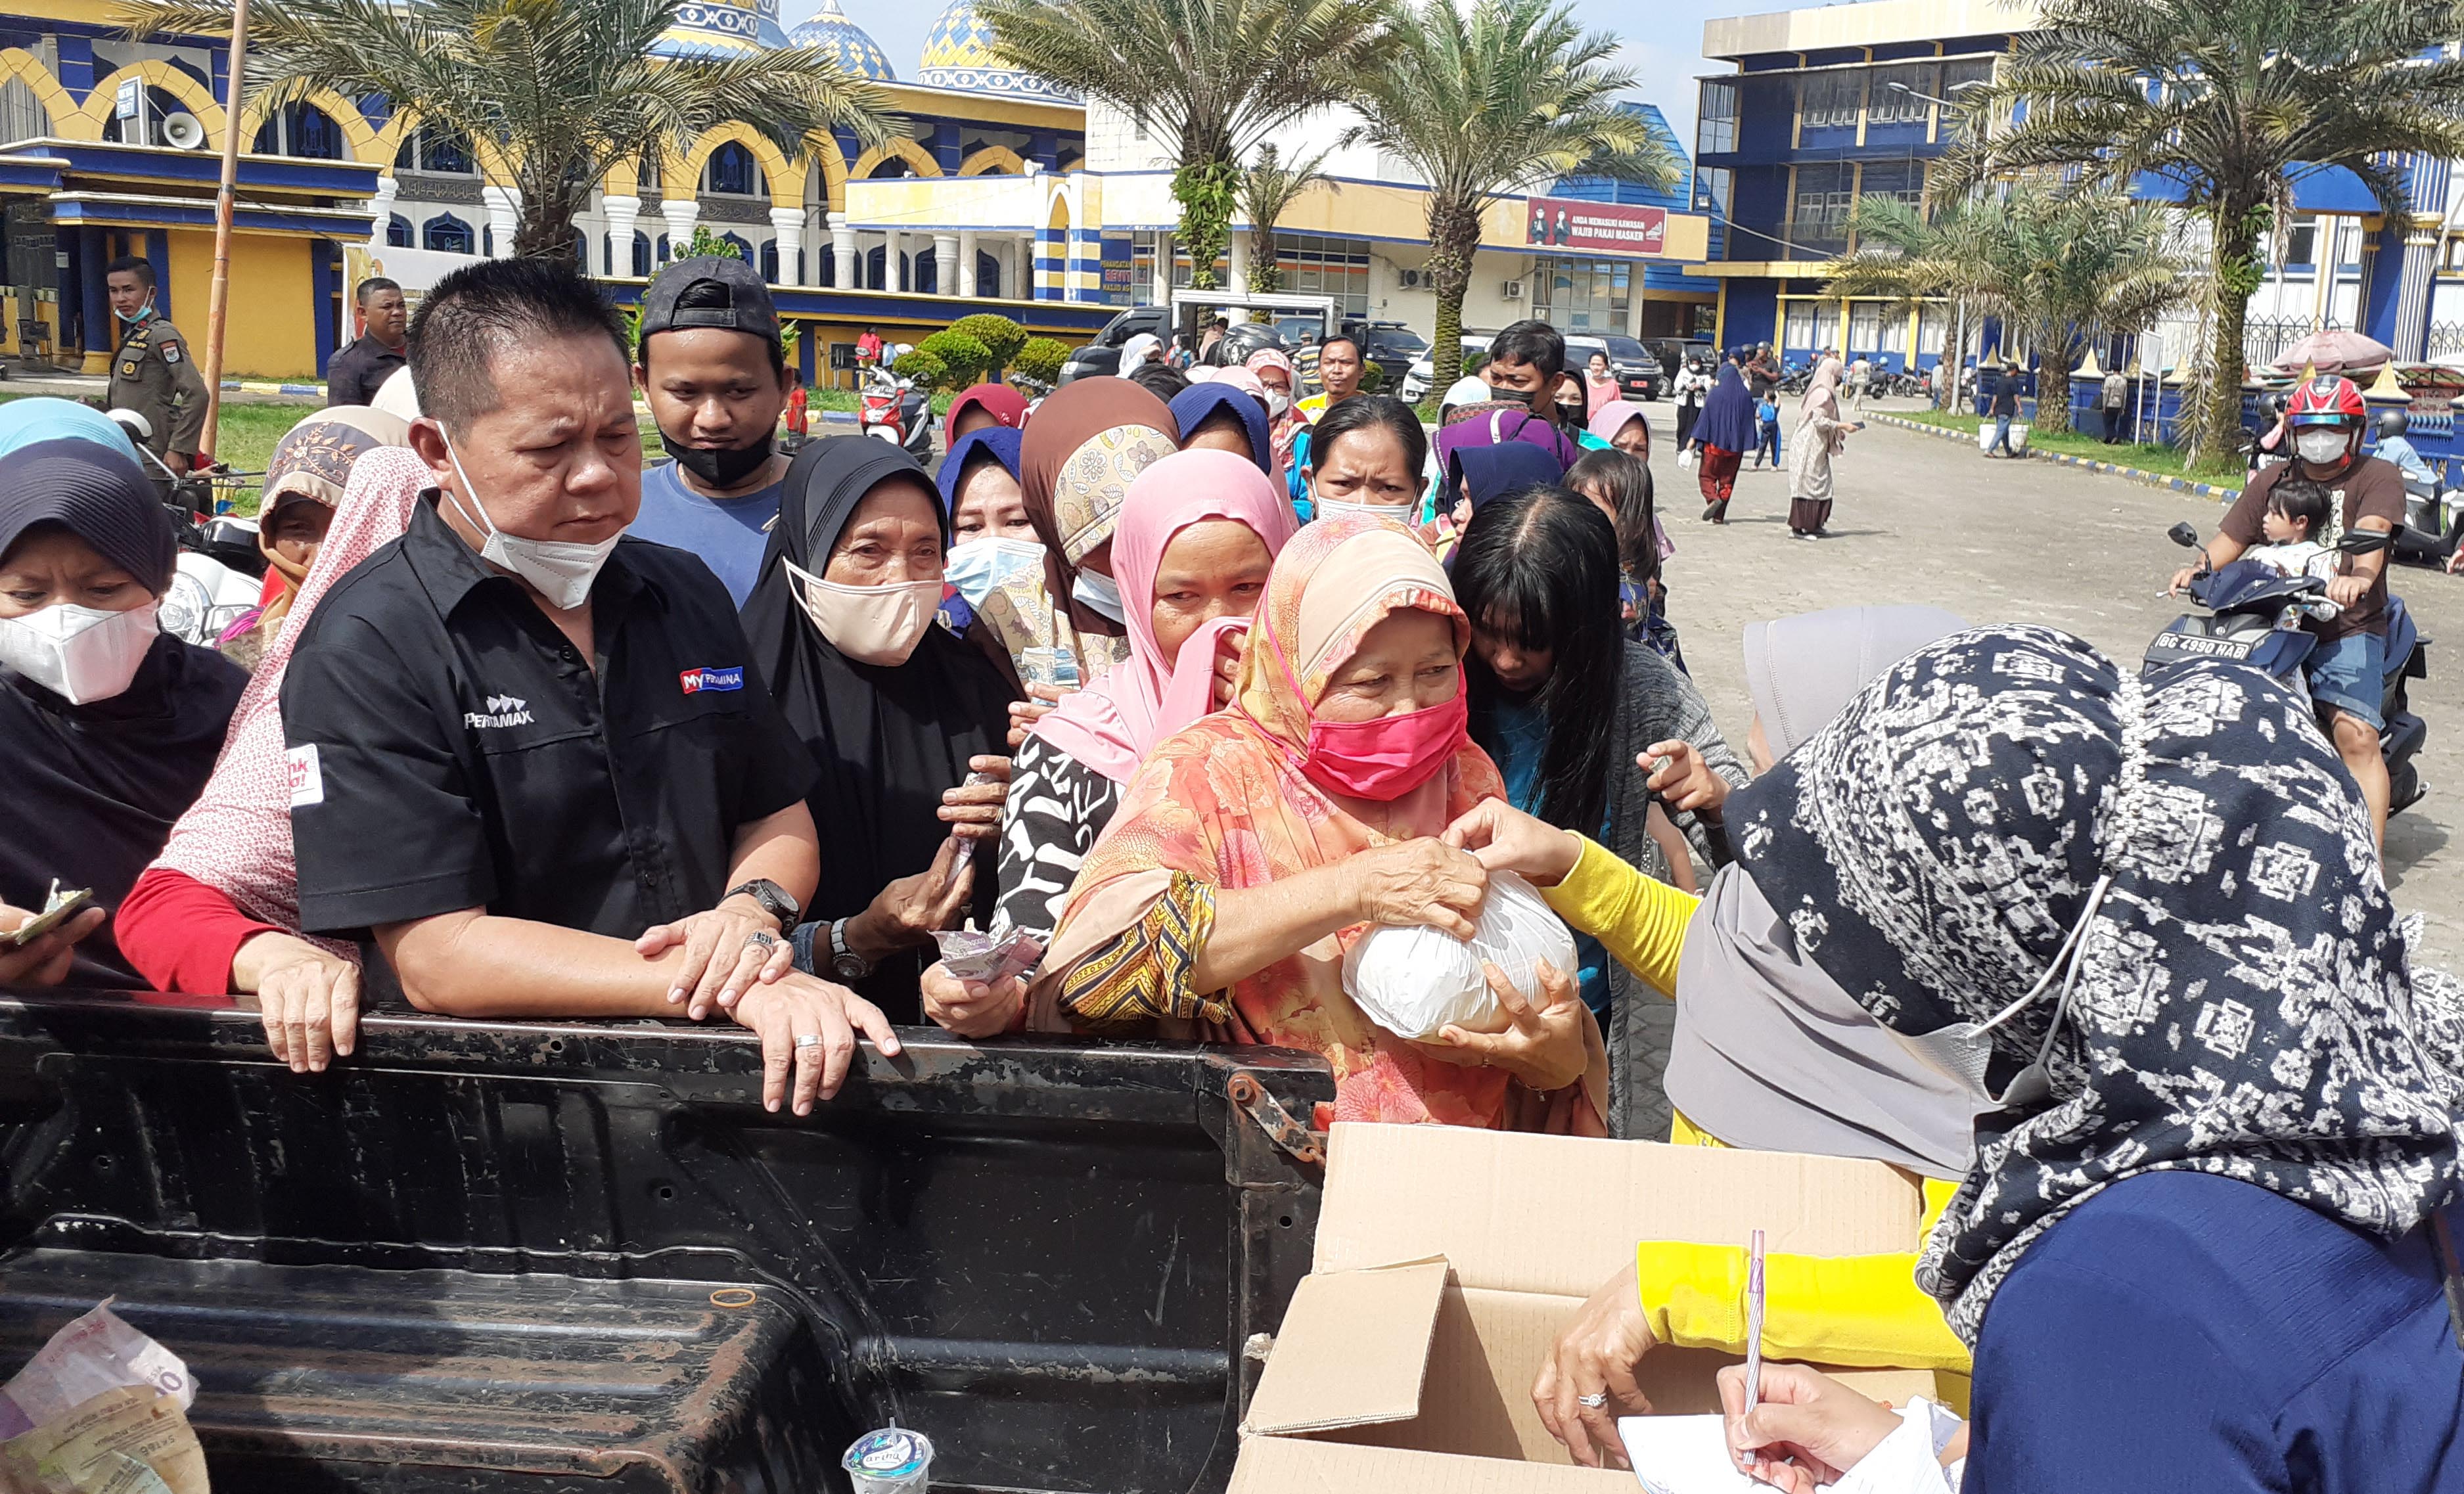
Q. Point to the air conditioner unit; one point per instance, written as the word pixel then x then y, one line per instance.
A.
pixel 1511 290
pixel 1415 281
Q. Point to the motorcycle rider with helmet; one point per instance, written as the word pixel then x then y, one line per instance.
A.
pixel 2395 447
pixel 2347 670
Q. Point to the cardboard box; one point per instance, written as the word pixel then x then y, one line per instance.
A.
pixel 1447 1263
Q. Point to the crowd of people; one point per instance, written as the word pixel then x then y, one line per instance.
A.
pixel 1174 687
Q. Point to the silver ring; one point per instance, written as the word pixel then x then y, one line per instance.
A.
pixel 1593 1402
pixel 763 938
pixel 808 1040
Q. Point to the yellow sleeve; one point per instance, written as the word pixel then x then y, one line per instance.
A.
pixel 1862 1311
pixel 1640 920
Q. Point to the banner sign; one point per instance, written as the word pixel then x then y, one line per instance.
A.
pixel 1601 228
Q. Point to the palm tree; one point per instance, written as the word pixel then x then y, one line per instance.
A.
pixel 1268 187
pixel 2229 103
pixel 1913 256
pixel 1212 77
pixel 2061 269
pixel 563 90
pixel 1487 99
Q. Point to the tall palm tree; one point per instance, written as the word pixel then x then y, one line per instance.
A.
pixel 1913 256
pixel 1487 99
pixel 563 89
pixel 1269 186
pixel 2229 103
pixel 1212 77
pixel 2063 269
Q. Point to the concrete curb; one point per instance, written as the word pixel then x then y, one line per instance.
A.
pixel 2204 490
pixel 268 386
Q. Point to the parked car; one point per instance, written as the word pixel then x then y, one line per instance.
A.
pixel 1673 353
pixel 1475 352
pixel 1639 374
pixel 1393 346
pixel 1103 356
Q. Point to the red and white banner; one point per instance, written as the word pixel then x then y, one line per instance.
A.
pixel 1602 228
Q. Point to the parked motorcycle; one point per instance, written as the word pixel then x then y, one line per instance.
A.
pixel 2254 616
pixel 219 573
pixel 894 410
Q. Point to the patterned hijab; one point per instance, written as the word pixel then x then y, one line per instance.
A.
pixel 2243 1002
pixel 312 463
pixel 1087 442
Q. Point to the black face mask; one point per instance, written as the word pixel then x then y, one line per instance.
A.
pixel 723 467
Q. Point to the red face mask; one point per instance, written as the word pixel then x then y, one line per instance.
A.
pixel 1386 759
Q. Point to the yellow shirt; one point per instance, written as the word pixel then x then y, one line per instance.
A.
pixel 1852 1311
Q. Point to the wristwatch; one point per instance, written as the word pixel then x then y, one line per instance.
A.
pixel 846 963
pixel 774 901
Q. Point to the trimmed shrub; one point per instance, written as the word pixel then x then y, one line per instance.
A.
pixel 1000 336
pixel 925 368
pixel 963 359
pixel 1040 359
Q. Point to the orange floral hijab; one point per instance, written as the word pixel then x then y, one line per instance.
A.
pixel 1224 805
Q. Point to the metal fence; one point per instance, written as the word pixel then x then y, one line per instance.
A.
pixel 2264 338
pixel 2446 340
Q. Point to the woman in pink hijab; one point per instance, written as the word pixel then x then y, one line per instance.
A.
pixel 1284 418
pixel 1196 538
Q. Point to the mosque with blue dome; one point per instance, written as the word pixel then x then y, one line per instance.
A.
pixel 958 53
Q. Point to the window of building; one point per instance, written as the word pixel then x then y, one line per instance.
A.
pixel 1903 180
pixel 1321 265
pixel 1831 101
pixel 1583 295
pixel 1960 72
pixel 301 129
pixel 1713 188
pixel 448 233
pixel 734 172
pixel 398 231
pixel 1895 330
pixel 1715 131
pixel 2454 260
pixel 2302 243
pixel 1810 325
pixel 769 261
pixel 641 254
pixel 1904 104
pixel 1796 328
pixel 436 148
pixel 1819 212
pixel 22 116
pixel 1865 326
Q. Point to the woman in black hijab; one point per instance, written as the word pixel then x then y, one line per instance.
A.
pixel 898 713
pixel 109 726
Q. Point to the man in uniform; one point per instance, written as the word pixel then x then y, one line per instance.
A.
pixel 354 375
pixel 152 373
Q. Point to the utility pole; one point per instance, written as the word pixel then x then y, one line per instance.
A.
pixel 218 298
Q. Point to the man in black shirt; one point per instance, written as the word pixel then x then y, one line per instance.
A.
pixel 530 763
pixel 354 375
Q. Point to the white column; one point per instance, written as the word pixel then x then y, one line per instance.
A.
pixel 681 214
pixel 1237 266
pixel 945 265
pixel 623 214
pixel 790 224
pixel 504 207
pixel 889 281
pixel 380 203
pixel 842 265
pixel 967 266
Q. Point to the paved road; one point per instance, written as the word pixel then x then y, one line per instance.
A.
pixel 1925 519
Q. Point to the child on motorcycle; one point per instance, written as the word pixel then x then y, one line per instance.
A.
pixel 2296 515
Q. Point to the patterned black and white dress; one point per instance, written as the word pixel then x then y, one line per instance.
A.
pixel 1057 807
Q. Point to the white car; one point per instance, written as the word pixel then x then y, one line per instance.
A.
pixel 1416 384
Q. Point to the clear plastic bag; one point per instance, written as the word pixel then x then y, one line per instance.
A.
pixel 1415 982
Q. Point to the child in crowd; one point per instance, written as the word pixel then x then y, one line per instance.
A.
pixel 2295 518
pixel 1767 424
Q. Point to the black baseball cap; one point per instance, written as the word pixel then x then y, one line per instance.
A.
pixel 742 302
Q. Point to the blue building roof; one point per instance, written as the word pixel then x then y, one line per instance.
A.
pixel 1679 198
pixel 830 31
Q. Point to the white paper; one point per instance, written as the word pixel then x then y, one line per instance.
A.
pixel 1684 1455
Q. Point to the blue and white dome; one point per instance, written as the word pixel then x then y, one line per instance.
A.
pixel 832 33
pixel 959 54
pixel 722 29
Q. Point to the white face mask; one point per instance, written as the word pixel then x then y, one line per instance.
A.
pixel 1101 593
pixel 81 655
pixel 1277 403
pixel 2321 448
pixel 561 570
pixel 979 565
pixel 1335 507
pixel 870 624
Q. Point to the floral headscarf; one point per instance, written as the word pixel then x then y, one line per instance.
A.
pixel 1087 442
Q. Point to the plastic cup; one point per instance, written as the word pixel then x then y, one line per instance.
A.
pixel 893 1461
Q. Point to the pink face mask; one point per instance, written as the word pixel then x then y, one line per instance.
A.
pixel 1386 759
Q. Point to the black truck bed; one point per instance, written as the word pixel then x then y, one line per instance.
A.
pixel 559 1257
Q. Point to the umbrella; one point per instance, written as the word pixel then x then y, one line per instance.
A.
pixel 2335 351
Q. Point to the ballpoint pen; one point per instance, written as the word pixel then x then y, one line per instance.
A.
pixel 1755 1329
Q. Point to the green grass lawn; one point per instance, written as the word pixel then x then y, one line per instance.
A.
pixel 2148 458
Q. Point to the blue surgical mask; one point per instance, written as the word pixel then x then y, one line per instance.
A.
pixel 976 567
pixel 1100 593
pixel 138 314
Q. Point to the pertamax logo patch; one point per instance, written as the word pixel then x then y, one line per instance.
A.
pixel 502 710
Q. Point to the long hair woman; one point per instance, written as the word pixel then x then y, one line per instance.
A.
pixel 1565 705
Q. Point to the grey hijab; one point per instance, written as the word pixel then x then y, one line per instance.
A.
pixel 1802 670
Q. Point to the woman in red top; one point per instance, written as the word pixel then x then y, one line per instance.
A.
pixel 218 910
